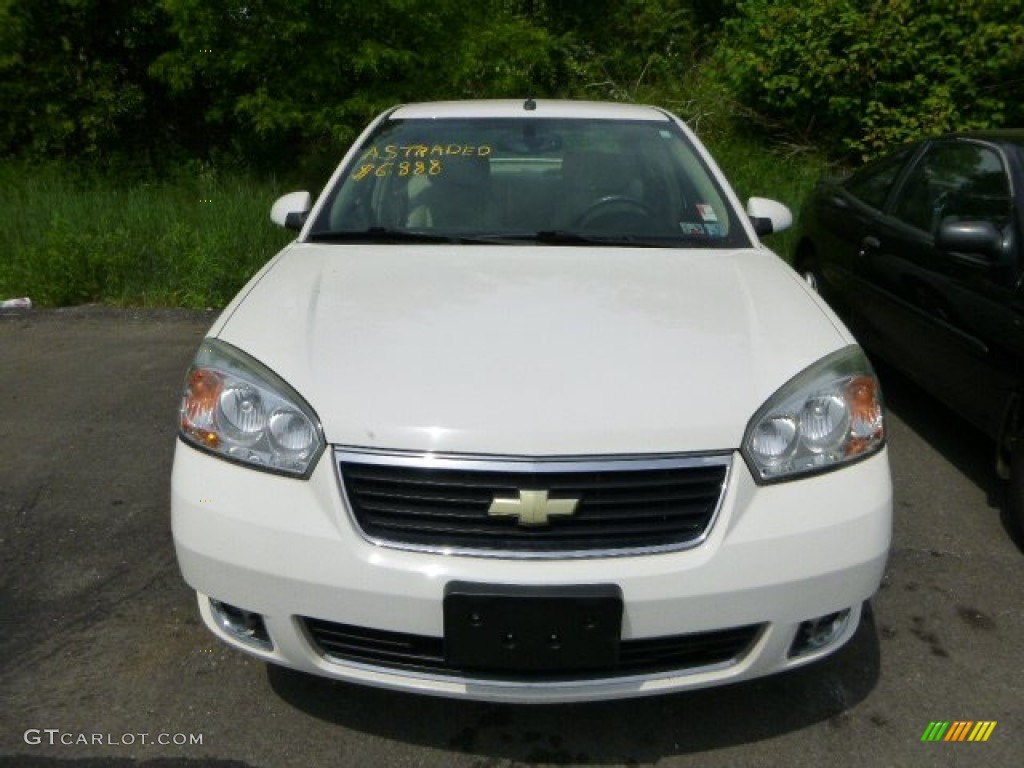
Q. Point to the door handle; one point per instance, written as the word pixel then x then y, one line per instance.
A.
pixel 869 243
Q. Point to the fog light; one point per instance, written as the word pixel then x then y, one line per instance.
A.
pixel 815 634
pixel 241 624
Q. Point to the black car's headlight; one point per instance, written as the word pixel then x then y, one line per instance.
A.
pixel 826 416
pixel 238 409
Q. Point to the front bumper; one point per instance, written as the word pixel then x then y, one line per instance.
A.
pixel 777 556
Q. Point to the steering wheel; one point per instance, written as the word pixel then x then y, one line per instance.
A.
pixel 611 205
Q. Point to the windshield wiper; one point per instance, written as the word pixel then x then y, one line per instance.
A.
pixel 378 235
pixel 389 235
pixel 569 237
pixel 544 237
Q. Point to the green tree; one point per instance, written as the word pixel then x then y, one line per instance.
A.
pixel 860 77
pixel 73 75
pixel 284 75
pixel 624 49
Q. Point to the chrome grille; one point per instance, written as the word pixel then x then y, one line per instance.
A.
pixel 624 505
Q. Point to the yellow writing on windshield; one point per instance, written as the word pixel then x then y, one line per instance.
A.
pixel 420 151
pixel 412 159
pixel 403 168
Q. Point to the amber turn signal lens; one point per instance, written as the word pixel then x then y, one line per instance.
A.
pixel 204 387
pixel 203 390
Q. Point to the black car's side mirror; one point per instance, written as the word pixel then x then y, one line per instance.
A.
pixel 976 242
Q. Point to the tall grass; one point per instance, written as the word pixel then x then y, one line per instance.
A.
pixel 72 238
pixel 777 173
pixel 192 241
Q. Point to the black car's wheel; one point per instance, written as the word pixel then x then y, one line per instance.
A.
pixel 807 268
pixel 1015 493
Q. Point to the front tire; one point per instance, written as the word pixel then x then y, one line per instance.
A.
pixel 807 268
pixel 1015 494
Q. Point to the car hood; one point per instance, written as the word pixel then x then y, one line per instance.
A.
pixel 532 350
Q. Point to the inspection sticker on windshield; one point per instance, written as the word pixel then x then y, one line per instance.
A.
pixel 706 212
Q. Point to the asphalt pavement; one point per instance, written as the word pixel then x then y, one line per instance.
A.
pixel 104 662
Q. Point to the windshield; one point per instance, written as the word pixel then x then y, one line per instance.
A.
pixel 549 180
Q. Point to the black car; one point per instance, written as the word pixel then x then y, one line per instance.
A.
pixel 921 253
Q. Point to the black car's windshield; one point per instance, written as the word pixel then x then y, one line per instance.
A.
pixel 551 181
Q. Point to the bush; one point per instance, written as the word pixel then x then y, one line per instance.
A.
pixel 860 77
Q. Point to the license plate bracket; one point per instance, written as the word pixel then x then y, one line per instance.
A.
pixel 496 627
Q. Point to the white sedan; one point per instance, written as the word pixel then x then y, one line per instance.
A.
pixel 527 413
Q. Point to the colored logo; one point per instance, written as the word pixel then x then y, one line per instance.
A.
pixel 959 730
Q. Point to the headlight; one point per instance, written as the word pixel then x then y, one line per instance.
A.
pixel 236 408
pixel 826 416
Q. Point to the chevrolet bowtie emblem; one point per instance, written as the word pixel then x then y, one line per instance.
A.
pixel 532 507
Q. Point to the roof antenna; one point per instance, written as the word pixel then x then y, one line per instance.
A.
pixel 529 105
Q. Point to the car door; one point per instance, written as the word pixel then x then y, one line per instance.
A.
pixel 840 216
pixel 946 315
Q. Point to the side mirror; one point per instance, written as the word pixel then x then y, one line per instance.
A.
pixel 290 211
pixel 768 216
pixel 975 242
